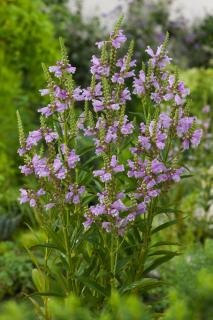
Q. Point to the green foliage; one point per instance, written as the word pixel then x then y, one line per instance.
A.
pixel 8 171
pixel 27 32
pixel 201 86
pixel 28 239
pixel 190 296
pixel 117 308
pixel 12 310
pixel 27 39
pixel 15 270
pixel 192 285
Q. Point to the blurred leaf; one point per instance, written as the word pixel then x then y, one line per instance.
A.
pixel 92 285
pixel 143 284
pixel 157 262
pixel 164 226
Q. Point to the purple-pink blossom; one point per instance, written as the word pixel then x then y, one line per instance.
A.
pixel 74 193
pixel 72 159
pixel 118 38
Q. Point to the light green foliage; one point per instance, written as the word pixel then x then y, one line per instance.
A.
pixel 13 310
pixel 126 308
pixel 30 238
pixel 15 270
pixel 118 308
pixel 27 39
pixel 191 277
pixel 190 296
pixel 201 86
pixel 71 308
pixel 10 84
pixel 178 309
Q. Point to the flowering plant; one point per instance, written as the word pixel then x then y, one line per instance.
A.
pixel 100 175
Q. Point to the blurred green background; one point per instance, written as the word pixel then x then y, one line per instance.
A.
pixel 29 32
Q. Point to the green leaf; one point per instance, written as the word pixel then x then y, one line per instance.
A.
pixel 55 237
pixel 137 235
pixel 143 284
pixel 165 243
pixel 91 284
pixel 159 252
pixel 139 114
pixel 91 159
pixel 168 210
pixel 38 279
pixel 164 225
pixel 97 183
pixel 47 245
pixel 37 307
pixel 187 176
pixel 60 280
pixel 85 150
pixel 157 262
pixel 48 294
pixel 122 263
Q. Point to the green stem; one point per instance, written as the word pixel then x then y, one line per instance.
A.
pixel 146 242
pixel 67 245
pixel 113 258
pixel 46 286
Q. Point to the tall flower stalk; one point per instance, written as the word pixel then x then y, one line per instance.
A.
pixel 100 175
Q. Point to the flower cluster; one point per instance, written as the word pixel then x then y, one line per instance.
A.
pixel 62 67
pixel 164 87
pixel 124 71
pixel 111 213
pixel 37 135
pixel 188 134
pixel 47 152
pixel 117 38
pixel 103 134
pixel 30 196
pixel 150 177
pixel 74 193
pixel 38 166
pixel 106 173
pixel 152 160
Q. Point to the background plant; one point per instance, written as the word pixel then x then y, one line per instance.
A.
pixel 192 285
pixel 26 32
pixel 15 270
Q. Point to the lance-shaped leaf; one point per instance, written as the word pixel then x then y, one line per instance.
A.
pixel 92 285
pixel 143 284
